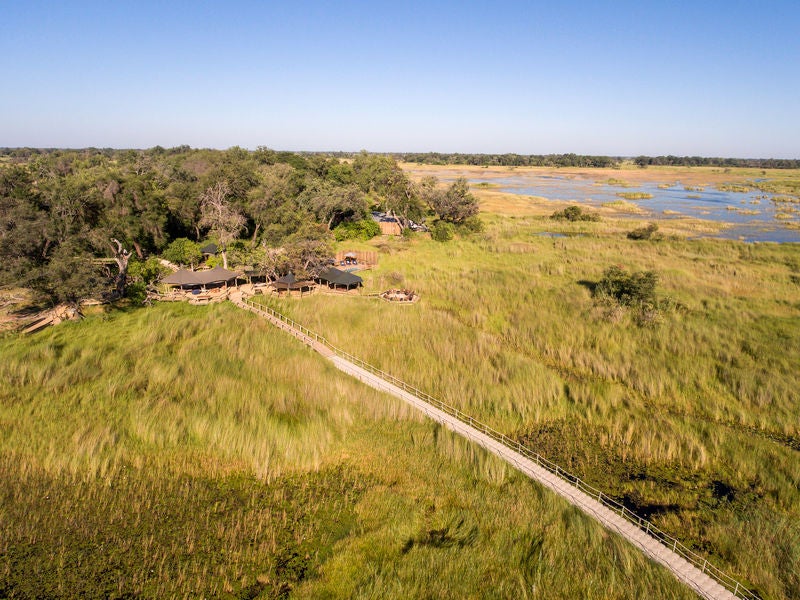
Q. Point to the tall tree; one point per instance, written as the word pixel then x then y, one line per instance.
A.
pixel 388 186
pixel 403 199
pixel 223 220
pixel 308 250
pixel 135 209
pixel 274 199
pixel 332 204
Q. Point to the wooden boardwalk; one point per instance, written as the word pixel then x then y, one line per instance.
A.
pixel 694 577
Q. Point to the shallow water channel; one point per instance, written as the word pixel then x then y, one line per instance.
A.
pixel 753 215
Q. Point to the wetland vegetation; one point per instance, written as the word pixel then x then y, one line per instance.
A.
pixel 176 450
pixel 687 414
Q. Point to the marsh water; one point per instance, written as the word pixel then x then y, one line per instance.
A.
pixel 753 216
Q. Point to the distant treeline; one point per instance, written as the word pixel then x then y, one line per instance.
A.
pixel 454 158
pixel 583 160
pixel 511 160
pixel 700 161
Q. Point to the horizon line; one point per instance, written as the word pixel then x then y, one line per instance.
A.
pixel 6 149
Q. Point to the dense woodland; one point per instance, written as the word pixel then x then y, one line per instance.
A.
pixel 582 160
pixel 62 211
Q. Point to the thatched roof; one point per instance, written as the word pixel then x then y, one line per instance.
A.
pixel 209 249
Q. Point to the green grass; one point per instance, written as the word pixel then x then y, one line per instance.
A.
pixel 691 420
pixel 198 451
pixel 181 451
pixel 788 184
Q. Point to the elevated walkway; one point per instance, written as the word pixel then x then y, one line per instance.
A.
pixel 687 566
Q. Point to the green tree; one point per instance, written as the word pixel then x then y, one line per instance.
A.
pixel 384 181
pixel 333 204
pixel 183 251
pixel 456 204
pixel 442 231
pixel 70 275
pixel 272 204
pixel 309 250
pixel 135 210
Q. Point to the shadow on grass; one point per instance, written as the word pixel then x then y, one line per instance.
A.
pixel 589 285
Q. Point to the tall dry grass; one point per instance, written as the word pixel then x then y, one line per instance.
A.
pixel 178 451
pixel 690 420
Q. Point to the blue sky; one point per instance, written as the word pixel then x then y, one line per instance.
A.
pixel 705 78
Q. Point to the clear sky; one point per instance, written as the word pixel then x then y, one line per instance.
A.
pixel 706 77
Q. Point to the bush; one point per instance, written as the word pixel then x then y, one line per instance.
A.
pixel 644 233
pixel 136 292
pixel 365 229
pixel 442 231
pixel 242 252
pixel 574 213
pixel 634 289
pixel 183 251
pixel 472 225
pixel 146 271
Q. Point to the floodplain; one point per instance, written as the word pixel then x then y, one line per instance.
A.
pixel 197 451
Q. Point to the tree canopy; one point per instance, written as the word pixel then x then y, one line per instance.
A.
pixel 71 219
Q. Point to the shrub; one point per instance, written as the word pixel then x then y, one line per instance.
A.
pixel 146 271
pixel 471 225
pixel 136 292
pixel 442 231
pixel 628 289
pixel 644 233
pixel 365 229
pixel 183 251
pixel 574 213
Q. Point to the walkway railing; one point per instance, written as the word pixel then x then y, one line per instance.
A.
pixel 731 584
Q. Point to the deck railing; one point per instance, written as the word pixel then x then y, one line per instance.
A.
pixel 731 584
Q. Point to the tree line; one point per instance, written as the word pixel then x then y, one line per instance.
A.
pixel 591 161
pixel 63 211
pixel 700 161
pixel 503 160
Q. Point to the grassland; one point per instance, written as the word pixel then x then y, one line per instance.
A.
pixel 180 451
pixel 690 419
